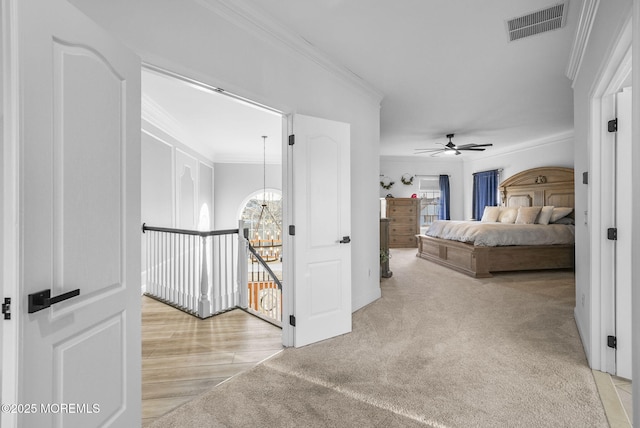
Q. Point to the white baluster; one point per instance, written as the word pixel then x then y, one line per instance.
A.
pixel 243 258
pixel 204 305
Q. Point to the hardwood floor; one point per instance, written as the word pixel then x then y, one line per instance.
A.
pixel 183 356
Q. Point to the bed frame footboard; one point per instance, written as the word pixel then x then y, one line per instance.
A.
pixel 479 262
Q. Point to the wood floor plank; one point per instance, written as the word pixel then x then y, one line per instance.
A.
pixel 183 356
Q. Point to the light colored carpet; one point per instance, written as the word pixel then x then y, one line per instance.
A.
pixel 439 349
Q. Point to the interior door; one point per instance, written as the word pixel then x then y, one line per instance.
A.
pixel 623 262
pixel 320 191
pixel 75 116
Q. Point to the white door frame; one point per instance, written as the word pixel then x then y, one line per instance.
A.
pixel 616 69
pixel 287 126
pixel 11 209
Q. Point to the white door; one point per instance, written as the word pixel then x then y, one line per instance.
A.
pixel 321 214
pixel 74 122
pixel 623 262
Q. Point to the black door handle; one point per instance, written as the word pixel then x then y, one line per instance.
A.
pixel 345 240
pixel 42 299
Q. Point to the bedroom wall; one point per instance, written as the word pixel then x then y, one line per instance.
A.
pixel 610 17
pixel 394 167
pixel 553 151
pixel 234 183
pixel 223 49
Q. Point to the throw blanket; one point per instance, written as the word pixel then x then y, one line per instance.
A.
pixel 499 234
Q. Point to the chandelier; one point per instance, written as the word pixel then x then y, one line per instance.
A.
pixel 266 234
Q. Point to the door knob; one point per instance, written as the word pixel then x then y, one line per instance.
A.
pixel 42 299
pixel 345 240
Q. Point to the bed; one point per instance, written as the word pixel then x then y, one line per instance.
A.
pixel 537 187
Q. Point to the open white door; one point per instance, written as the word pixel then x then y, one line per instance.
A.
pixel 73 191
pixel 624 223
pixel 321 213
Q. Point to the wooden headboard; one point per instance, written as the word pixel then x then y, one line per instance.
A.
pixel 538 187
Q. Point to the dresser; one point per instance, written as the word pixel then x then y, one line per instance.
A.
pixel 403 217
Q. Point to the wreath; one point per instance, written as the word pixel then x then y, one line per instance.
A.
pixel 386 183
pixel 407 179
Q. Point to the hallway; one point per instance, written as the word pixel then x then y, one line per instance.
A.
pixel 183 356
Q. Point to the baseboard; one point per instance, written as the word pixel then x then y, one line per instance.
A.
pixel 587 351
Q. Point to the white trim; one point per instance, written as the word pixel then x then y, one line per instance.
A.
pixel 288 249
pixel 635 154
pixel 583 31
pixel 262 25
pixel 613 72
pixel 157 116
pixel 11 227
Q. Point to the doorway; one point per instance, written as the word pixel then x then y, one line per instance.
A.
pixel 202 151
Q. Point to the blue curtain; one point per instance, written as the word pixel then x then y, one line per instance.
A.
pixel 443 212
pixel 485 191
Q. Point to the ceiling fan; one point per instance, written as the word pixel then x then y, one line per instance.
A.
pixel 452 149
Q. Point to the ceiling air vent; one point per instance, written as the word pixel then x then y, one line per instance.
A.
pixel 548 19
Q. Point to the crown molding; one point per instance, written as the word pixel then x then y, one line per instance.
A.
pixel 566 137
pixel 583 31
pixel 260 24
pixel 161 119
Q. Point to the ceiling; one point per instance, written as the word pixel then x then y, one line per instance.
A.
pixel 443 66
pixel 218 126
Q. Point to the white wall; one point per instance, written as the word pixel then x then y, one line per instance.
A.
pixel 169 198
pixel 234 183
pixel 224 50
pixel 554 151
pixel 396 167
pixel 610 17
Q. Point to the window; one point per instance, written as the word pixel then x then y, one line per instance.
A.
pixel 429 188
pixel 263 216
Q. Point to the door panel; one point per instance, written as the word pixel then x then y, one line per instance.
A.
pixel 322 216
pixel 76 119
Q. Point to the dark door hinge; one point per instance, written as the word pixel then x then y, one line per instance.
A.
pixel 612 234
pixel 292 139
pixel 292 320
pixel 612 342
pixel 292 230
pixel 6 308
pixel 612 125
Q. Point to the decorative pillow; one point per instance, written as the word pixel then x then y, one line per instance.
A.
pixel 545 214
pixel 508 215
pixel 559 212
pixel 490 214
pixel 527 215
pixel 564 220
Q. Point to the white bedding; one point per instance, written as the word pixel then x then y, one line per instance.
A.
pixel 485 234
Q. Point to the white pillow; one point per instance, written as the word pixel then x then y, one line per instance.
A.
pixel 545 214
pixel 508 215
pixel 527 215
pixel 490 214
pixel 559 212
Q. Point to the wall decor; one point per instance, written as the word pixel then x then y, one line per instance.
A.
pixel 386 183
pixel 407 179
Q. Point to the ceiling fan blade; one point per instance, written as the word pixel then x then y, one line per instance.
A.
pixel 438 153
pixel 466 146
pixel 472 149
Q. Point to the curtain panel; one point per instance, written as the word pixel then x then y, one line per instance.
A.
pixel 445 198
pixel 485 191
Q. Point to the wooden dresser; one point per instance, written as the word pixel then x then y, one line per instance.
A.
pixel 403 227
